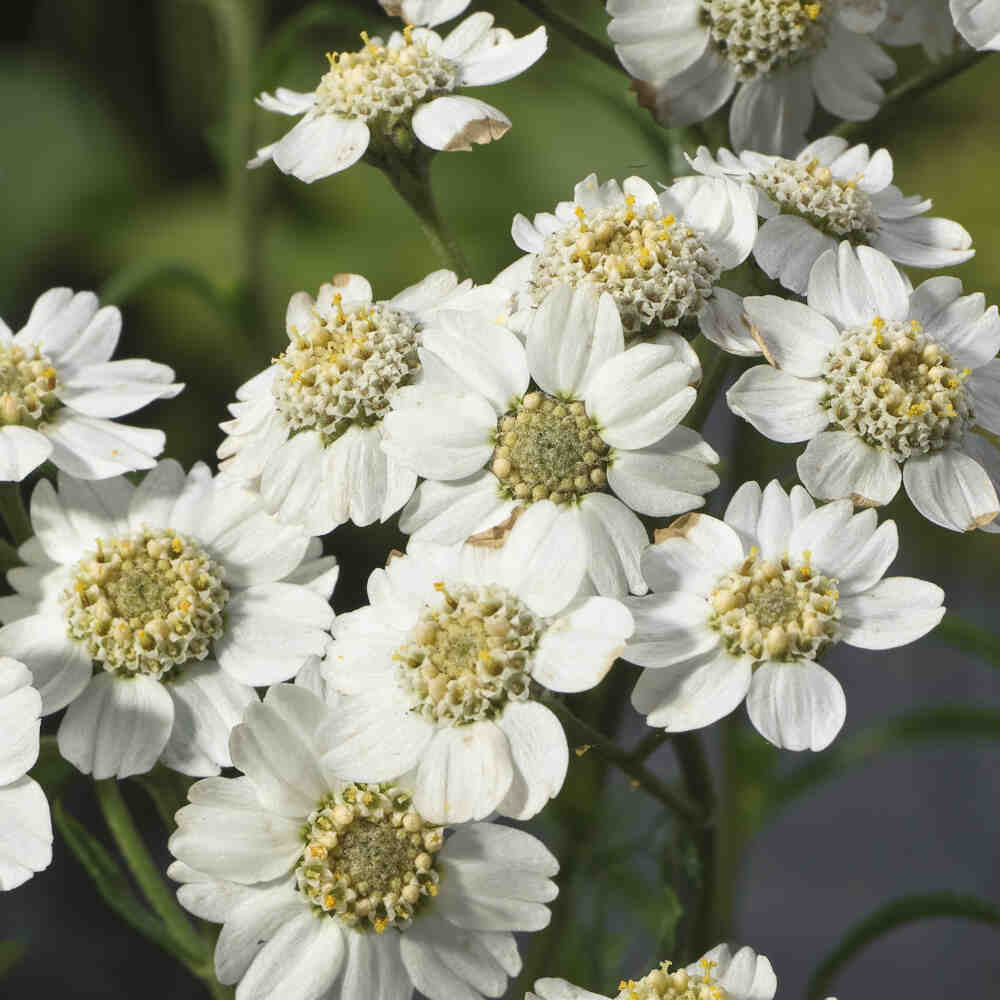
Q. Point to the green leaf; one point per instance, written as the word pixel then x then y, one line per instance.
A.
pixel 11 952
pixel 894 914
pixel 51 770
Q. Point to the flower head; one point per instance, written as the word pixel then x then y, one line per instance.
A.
pixel 441 672
pixel 386 94
pixel 152 611
pixel 659 256
pixel 333 887
pixel 832 192
pixel 747 606
pixel 573 418
pixel 778 56
pixel 59 392
pixel 25 824
pixel 887 385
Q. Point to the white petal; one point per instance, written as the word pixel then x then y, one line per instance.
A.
pixel 958 323
pixel 723 211
pixel 463 954
pixel 924 242
pixel 455 123
pixel 559 989
pixel 450 512
pixel 744 976
pixel 787 247
pixel 693 553
pixel 285 101
pixel 431 12
pixel 861 16
pixel 540 756
pixel 781 406
pixel 25 832
pixel 318 575
pixel 114 388
pixel 839 464
pixel 21 451
pixel 723 323
pixel 771 114
pixel 656 42
pixel 95 509
pixel 669 628
pixel 743 512
pixel 845 73
pixel 978 22
pixel 502 62
pixel 951 489
pixel 319 146
pixel 92 448
pixel 373 969
pixel 20 712
pixel 895 611
pixel 795 338
pixel 60 668
pixel 154 498
pixel 853 286
pixel 796 706
pixel 616 539
pixel 293 486
pixel 694 94
pixel 117 727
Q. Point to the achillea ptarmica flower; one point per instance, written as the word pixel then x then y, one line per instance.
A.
pixel 658 256
pixel 153 611
pixel 387 93
pixel 60 392
pixel 779 56
pixel 718 975
pixel 496 426
pixel 887 385
pixel 978 22
pixel 745 607
pixel 25 824
pixel 439 674
pixel 338 889
pixel 307 431
pixel 829 193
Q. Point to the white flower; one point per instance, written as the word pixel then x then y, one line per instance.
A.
pixel 743 608
pixel 25 824
pixel 59 391
pixel 152 611
pixel 336 891
pixel 780 56
pixel 978 22
pixel 439 673
pixel 367 98
pixel 719 975
pixel 919 22
pixel 658 256
pixel 601 416
pixel 828 193
pixel 886 384
pixel 307 431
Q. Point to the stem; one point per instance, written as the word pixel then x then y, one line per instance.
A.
pixel 412 179
pixel 901 97
pixel 143 868
pixel 892 915
pixel 13 513
pixel 571 32
pixel 713 375
pixel 972 638
pixel 649 744
pixel 585 733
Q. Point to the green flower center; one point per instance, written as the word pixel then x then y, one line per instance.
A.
pixel 28 384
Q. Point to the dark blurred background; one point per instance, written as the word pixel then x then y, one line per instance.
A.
pixel 125 126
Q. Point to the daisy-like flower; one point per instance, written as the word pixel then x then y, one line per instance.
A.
pixel 496 427
pixel 659 256
pixel 60 392
pixel 341 891
pixel 978 22
pixel 887 385
pixel 718 975
pixel 439 674
pixel 745 607
pixel 779 56
pixel 307 431
pixel 25 824
pixel 377 99
pixel 919 22
pixel 153 611
pixel 828 193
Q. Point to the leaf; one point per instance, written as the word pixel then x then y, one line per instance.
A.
pixel 11 952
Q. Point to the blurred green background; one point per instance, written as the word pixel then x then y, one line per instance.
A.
pixel 125 128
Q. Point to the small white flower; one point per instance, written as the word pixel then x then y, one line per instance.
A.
pixel 152 611
pixel 60 392
pixel 25 824
pixel 743 608
pixel 719 975
pixel 439 673
pixel 779 56
pixel 386 93
pixel 919 22
pixel 978 22
pixel 887 385
pixel 307 431
pixel 658 256
pixel 828 193
pixel 342 891
pixel 496 427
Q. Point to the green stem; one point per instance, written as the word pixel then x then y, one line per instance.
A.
pixel 13 513
pixel 649 744
pixel 143 868
pixel 892 915
pixel 958 632
pixel 583 40
pixel 583 732
pixel 714 372
pixel 900 98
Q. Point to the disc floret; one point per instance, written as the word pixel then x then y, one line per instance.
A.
pixel 345 368
pixel 146 602
pixel 549 449
pixel 775 609
pixel 368 858
pixel 469 656
pixel 896 389
pixel 28 384
pixel 662 984
pixel 656 269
